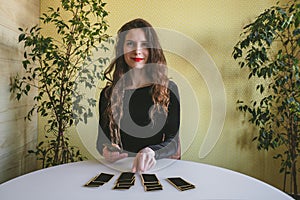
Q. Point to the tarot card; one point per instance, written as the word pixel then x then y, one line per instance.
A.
pixel 180 183
pixel 99 180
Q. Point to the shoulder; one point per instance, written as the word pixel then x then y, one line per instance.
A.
pixel 172 84
pixel 105 90
pixel 174 93
pixel 173 87
pixel 104 93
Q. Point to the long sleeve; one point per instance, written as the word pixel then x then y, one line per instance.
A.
pixel 103 128
pixel 169 145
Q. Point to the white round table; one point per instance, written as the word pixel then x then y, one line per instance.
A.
pixel 66 182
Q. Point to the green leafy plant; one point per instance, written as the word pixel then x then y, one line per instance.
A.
pixel 269 48
pixel 57 67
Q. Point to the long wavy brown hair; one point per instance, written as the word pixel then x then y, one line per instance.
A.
pixel 116 83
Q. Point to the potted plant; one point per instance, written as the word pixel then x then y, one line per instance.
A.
pixel 57 66
pixel 269 48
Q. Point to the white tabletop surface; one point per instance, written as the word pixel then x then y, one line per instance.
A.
pixel 66 182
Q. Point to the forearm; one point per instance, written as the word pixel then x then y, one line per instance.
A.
pixel 165 149
pixel 102 139
pixel 103 129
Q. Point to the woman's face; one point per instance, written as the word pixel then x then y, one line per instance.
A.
pixel 136 50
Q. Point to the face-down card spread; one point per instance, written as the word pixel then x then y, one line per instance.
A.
pixel 99 180
pixel 180 183
pixel 125 181
pixel 151 182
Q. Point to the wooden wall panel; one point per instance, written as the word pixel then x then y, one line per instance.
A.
pixel 17 136
pixel 19 13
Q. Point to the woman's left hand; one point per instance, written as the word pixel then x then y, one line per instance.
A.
pixel 144 160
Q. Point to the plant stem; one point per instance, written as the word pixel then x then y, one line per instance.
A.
pixel 284 178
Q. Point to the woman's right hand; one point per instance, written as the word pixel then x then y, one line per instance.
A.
pixel 113 156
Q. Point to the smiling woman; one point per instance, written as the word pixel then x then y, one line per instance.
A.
pixel 136 48
pixel 199 34
pixel 139 108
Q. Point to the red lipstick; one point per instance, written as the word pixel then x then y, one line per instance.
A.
pixel 138 59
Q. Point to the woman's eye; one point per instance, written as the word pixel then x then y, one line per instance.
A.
pixel 145 45
pixel 129 44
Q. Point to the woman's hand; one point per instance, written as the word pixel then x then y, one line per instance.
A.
pixel 144 160
pixel 113 156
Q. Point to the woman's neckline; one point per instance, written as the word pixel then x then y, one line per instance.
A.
pixel 139 87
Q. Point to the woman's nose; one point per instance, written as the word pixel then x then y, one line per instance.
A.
pixel 138 49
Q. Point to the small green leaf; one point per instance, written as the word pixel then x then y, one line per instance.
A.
pixel 22 37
